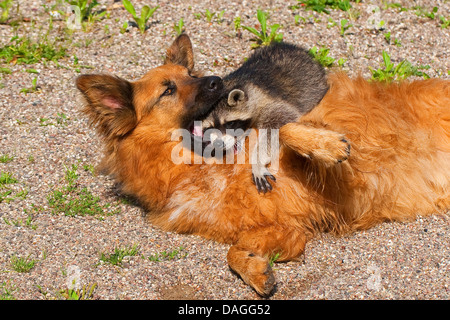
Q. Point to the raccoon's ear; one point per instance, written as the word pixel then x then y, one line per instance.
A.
pixel 180 52
pixel 109 103
pixel 235 96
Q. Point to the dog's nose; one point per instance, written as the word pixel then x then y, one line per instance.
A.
pixel 214 83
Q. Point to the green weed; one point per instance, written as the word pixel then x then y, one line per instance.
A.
pixel 6 158
pixel 6 178
pixel 263 37
pixel 85 12
pixel 345 25
pixel 61 118
pixel 146 14
pixel 5 5
pixel 389 39
pixel 72 200
pixel 445 23
pixel 321 56
pixel 8 196
pixel 119 254
pixel 4 196
pixel 21 223
pixel 322 6
pixel 391 72
pixel 124 27
pixel 85 6
pixel 44 122
pixel 179 27
pixel 422 12
pixel 34 87
pixel 168 255
pixel 273 259
pixel 24 50
pixel 22 265
pixel 90 168
pixel 6 291
pixel 237 23
pixel 341 62
pixel 5 70
pixel 86 293
pixel 209 15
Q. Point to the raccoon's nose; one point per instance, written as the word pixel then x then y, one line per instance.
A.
pixel 214 83
pixel 218 143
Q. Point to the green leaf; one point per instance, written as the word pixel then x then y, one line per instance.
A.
pixel 140 23
pixel 147 12
pixel 144 13
pixel 387 60
pixel 152 11
pixel 129 7
pixel 252 30
pixel 278 37
pixel 261 15
pixel 273 33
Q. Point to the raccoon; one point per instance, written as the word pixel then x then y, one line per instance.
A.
pixel 276 85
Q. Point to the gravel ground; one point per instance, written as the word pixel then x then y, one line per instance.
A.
pixel 43 134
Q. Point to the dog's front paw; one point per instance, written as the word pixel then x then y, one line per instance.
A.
pixel 332 148
pixel 261 176
pixel 255 270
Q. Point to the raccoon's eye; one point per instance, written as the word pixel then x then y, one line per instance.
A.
pixel 169 91
pixel 232 124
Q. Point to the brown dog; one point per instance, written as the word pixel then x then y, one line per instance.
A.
pixel 399 166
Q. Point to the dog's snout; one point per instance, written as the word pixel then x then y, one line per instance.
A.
pixel 214 83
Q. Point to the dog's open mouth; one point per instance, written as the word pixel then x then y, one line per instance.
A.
pixel 215 146
pixel 196 129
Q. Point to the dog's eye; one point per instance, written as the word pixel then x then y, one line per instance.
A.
pixel 169 91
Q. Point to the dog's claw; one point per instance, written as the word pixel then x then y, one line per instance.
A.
pixel 347 151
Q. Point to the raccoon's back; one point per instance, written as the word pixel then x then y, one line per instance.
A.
pixel 284 71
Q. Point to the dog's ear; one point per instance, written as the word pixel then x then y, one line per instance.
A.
pixel 180 52
pixel 235 96
pixel 109 103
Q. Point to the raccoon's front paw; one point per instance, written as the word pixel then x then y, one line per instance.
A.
pixel 261 176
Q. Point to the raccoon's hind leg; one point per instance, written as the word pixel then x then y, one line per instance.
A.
pixel 261 157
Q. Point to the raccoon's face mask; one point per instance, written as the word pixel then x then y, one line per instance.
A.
pixel 226 127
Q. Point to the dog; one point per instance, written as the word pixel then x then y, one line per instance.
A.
pixel 276 85
pixel 399 167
